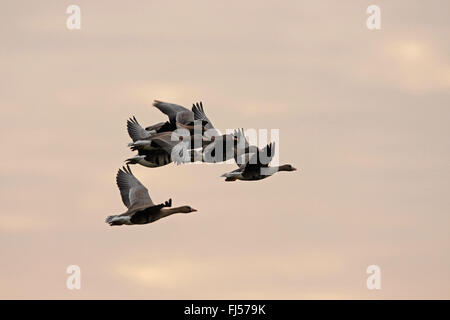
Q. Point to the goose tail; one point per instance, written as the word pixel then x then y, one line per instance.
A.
pixel 118 220
pixel 231 176
pixel 109 219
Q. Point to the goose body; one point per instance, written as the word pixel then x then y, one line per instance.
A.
pixel 141 209
pixel 155 159
pixel 257 167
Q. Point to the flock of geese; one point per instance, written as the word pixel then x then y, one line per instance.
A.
pixel 187 136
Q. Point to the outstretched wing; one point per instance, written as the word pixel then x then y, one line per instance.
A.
pixel 261 158
pixel 170 109
pixel 243 151
pixel 199 114
pixel 136 131
pixel 242 141
pixel 133 193
pixel 185 117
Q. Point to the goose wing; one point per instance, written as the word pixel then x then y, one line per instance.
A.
pixel 244 151
pixel 241 138
pixel 133 192
pixel 199 114
pixel 170 109
pixel 185 117
pixel 261 159
pixel 136 131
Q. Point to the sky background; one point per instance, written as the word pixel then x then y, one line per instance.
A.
pixel 364 115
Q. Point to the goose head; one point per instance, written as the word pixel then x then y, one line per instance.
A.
pixel 186 209
pixel 286 167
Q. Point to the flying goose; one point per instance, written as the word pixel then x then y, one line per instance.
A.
pixel 179 118
pixel 168 147
pixel 145 140
pixel 183 117
pixel 142 138
pixel 141 209
pixel 257 167
pixel 137 132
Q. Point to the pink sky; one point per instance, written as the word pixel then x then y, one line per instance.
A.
pixel 363 114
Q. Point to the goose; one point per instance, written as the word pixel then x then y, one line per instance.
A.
pixel 141 209
pixel 179 118
pixel 142 138
pixel 168 147
pixel 182 117
pixel 257 168
pixel 137 132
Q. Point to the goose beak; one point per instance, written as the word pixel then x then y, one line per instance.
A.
pixel 294 169
pixel 193 210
